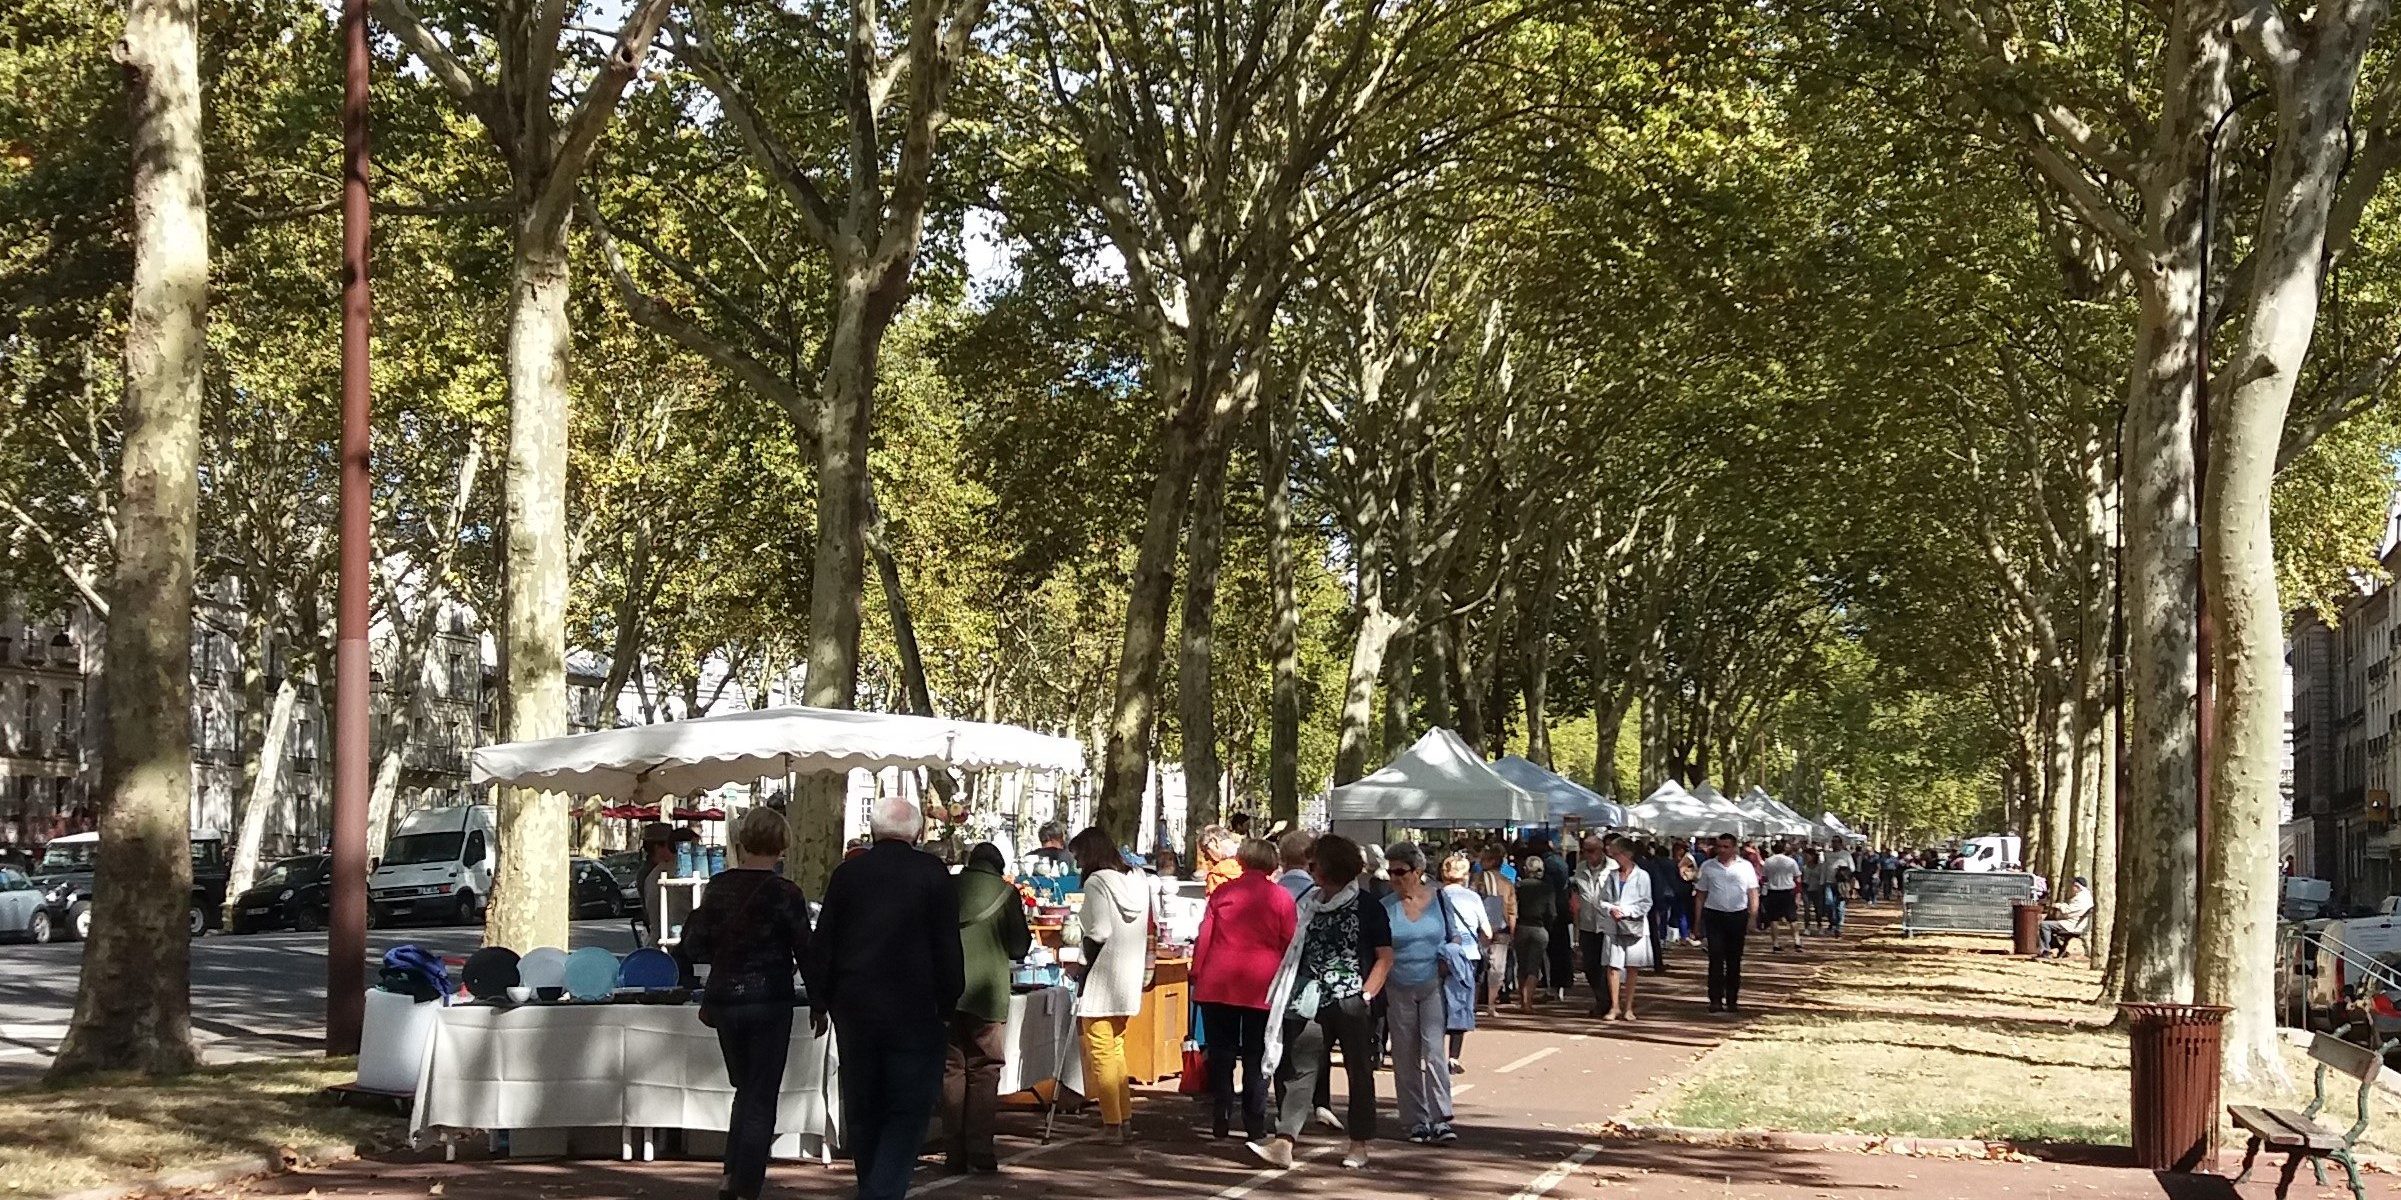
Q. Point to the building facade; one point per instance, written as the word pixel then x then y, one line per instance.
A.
pixel 2346 711
pixel 52 720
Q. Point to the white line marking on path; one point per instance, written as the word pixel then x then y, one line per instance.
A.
pixel 1261 1178
pixel 1558 1174
pixel 1529 1060
pixel 33 1032
pixel 936 1185
pixel 1463 1089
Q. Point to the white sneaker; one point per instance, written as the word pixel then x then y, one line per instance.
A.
pixel 1326 1117
pixel 1275 1152
pixel 1357 1158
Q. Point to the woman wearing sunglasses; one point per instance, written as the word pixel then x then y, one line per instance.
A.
pixel 1423 931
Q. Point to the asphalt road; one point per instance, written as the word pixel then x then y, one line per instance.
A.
pixel 252 995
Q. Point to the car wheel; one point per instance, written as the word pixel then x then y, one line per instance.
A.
pixel 309 920
pixel 79 920
pixel 470 909
pixel 38 930
pixel 195 921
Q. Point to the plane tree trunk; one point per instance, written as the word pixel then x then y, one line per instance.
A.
pixel 133 997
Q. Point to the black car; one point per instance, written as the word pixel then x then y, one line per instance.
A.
pixel 292 894
pixel 626 866
pixel 64 877
pixel 593 891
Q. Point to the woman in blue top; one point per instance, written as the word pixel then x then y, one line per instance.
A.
pixel 1422 927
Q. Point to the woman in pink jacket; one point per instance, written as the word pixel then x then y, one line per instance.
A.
pixel 1243 935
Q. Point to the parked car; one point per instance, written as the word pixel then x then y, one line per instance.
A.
pixel 626 867
pixel 64 878
pixel 438 865
pixel 593 890
pixel 293 894
pixel 22 913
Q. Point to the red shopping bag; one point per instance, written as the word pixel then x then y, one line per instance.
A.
pixel 1195 1079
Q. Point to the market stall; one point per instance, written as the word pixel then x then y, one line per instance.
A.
pixel 1835 826
pixel 1566 800
pixel 1439 783
pixel 639 1066
pixel 1670 811
pixel 1774 819
pixel 1727 811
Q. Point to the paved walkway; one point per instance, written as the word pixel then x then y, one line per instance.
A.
pixel 1531 1083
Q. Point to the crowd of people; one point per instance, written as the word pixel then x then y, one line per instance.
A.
pixel 1314 953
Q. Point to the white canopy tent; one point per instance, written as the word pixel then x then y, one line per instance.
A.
pixel 1834 825
pixel 1787 822
pixel 1565 797
pixel 1731 815
pixel 639 762
pixel 1437 782
pixel 1670 811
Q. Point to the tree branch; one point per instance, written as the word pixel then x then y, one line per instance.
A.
pixel 592 114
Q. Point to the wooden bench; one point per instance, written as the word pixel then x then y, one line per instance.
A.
pixel 2298 1134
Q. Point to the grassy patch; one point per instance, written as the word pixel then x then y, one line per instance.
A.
pixel 1941 1037
pixel 57 1139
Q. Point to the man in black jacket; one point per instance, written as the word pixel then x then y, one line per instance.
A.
pixel 885 964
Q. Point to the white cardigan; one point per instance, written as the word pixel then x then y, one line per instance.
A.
pixel 1633 893
pixel 1116 915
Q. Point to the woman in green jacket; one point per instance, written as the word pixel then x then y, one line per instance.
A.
pixel 992 937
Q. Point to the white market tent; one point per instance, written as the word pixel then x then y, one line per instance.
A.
pixel 644 761
pixel 1564 796
pixel 1840 830
pixel 1787 821
pixel 1731 816
pixel 1437 782
pixel 1670 811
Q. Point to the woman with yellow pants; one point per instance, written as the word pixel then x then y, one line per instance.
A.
pixel 1116 917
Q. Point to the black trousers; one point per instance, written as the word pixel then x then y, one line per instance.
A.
pixel 1237 1037
pixel 891 1077
pixel 1595 950
pixel 1659 925
pixel 1305 1051
pixel 1563 954
pixel 755 1039
pixel 1725 931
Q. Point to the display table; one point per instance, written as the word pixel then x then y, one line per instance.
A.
pixel 1042 1043
pixel 1154 1039
pixel 637 1068
pixel 627 1066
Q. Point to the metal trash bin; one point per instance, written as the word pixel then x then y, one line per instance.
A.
pixel 2026 927
pixel 2178 1054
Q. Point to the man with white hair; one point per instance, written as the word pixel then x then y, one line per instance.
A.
pixel 886 964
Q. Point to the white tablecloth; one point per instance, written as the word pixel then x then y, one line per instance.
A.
pixel 655 1066
pixel 1042 1042
pixel 568 1066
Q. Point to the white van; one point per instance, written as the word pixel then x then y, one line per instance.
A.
pixel 1990 852
pixel 438 865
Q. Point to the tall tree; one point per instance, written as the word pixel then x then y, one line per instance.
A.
pixel 861 200
pixel 133 1000
pixel 509 76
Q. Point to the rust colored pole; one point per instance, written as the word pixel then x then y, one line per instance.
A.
pixel 346 927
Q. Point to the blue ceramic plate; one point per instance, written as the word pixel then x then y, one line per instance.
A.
pixel 649 968
pixel 591 974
